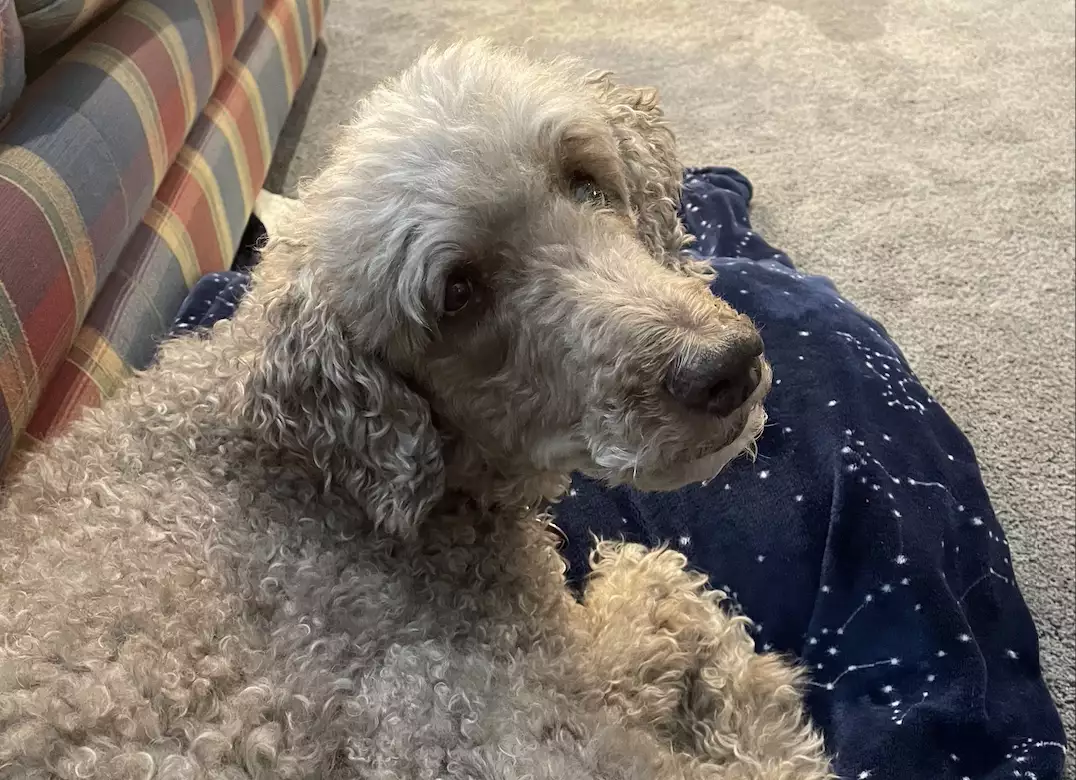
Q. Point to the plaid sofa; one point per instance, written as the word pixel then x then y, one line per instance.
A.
pixel 128 169
pixel 12 51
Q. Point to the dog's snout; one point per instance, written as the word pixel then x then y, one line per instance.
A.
pixel 719 381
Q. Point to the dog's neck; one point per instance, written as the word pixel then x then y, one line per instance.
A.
pixel 510 489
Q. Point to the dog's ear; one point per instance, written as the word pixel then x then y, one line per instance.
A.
pixel 313 390
pixel 648 150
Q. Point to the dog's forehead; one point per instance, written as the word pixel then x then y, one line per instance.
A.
pixel 494 175
pixel 490 128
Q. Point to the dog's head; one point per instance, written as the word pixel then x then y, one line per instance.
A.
pixel 490 266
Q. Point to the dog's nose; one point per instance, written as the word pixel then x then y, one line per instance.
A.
pixel 718 381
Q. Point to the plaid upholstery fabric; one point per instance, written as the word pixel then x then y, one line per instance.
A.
pixel 12 68
pixel 81 157
pixel 195 223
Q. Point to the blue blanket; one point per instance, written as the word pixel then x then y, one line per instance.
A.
pixel 861 540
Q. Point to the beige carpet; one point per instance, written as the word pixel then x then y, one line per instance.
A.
pixel 919 152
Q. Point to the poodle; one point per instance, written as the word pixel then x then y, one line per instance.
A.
pixel 312 544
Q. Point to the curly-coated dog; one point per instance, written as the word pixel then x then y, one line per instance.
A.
pixel 310 546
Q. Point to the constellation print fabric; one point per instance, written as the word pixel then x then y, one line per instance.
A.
pixel 861 540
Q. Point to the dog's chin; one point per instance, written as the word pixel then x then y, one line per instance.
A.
pixel 702 469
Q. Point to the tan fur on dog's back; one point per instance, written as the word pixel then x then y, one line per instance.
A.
pixel 281 553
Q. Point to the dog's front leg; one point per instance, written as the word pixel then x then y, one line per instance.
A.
pixel 665 654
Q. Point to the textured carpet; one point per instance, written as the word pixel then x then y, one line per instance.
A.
pixel 919 152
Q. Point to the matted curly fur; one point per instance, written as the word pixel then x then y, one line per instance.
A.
pixel 308 546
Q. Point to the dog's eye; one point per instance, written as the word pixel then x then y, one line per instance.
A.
pixel 458 293
pixel 585 190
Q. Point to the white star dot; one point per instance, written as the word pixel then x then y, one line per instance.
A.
pixel 832 651
pixel 900 560
pixel 894 662
pixel 832 403
pixel 684 541
pixel 798 497
pixel 763 474
pixel 863 775
pixel 887 588
pixel 805 333
pixel 940 654
pixel 786 429
pixel 964 638
pixel 887 689
pixel 760 558
pixel 1012 654
pixel 976 521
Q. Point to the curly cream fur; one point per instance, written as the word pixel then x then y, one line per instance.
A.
pixel 307 546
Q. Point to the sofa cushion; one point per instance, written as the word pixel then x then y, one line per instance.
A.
pixel 80 159
pixel 196 220
pixel 12 68
pixel 47 22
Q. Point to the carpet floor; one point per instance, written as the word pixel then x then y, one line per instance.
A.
pixel 919 152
